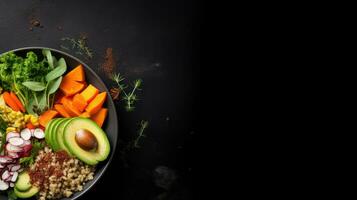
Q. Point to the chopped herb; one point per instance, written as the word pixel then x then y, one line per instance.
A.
pixel 11 195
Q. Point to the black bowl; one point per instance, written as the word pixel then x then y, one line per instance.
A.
pixel 111 123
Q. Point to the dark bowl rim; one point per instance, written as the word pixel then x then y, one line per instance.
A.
pixel 110 100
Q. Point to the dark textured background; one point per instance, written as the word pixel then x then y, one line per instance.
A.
pixel 155 40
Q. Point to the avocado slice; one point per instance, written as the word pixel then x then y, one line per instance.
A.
pixel 23 182
pixel 27 194
pixel 59 135
pixel 48 131
pixel 90 157
pixel 54 131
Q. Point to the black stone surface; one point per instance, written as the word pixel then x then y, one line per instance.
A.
pixel 155 40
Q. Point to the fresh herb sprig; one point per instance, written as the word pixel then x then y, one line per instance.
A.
pixel 143 126
pixel 80 45
pixel 129 97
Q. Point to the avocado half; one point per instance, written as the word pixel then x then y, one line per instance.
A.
pixel 89 157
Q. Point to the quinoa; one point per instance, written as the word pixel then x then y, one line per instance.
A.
pixel 59 175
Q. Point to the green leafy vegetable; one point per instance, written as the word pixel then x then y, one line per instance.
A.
pixel 11 195
pixel 33 81
pixel 58 71
pixel 34 86
pixel 47 53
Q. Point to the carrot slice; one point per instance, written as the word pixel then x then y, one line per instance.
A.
pixel 79 102
pixel 17 101
pixel 71 110
pixel 77 74
pixel 10 102
pixel 61 110
pixel 29 125
pixel 89 93
pixel 46 117
pixel 85 115
pixel 96 104
pixel 70 87
pixel 100 116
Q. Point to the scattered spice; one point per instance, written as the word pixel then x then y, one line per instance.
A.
pixel 34 22
pixel 115 92
pixel 109 62
pixel 79 45
pixel 45 167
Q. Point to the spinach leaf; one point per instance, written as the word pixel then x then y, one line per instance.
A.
pixel 42 101
pixel 58 71
pixel 48 55
pixel 34 86
pixel 54 85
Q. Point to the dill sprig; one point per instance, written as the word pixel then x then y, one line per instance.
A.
pixel 143 126
pixel 130 98
pixel 80 45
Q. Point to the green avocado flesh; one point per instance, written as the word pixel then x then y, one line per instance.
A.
pixel 89 157
pixel 23 188
pixel 59 135
pixel 23 182
pixel 48 131
pixel 54 132
pixel 27 194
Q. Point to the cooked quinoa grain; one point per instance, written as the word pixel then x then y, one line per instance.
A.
pixel 58 175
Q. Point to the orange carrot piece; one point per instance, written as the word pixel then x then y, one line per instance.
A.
pixel 85 115
pixel 46 117
pixel 29 125
pixel 100 116
pixel 77 74
pixel 89 93
pixel 17 101
pixel 10 102
pixel 96 104
pixel 61 110
pixel 70 87
pixel 71 110
pixel 79 102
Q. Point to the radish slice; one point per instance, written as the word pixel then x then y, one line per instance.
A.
pixel 15 168
pixel 27 148
pixel 12 184
pixel 12 135
pixel 26 134
pixel 12 148
pixel 1 166
pixel 26 142
pixel 5 159
pixel 13 155
pixel 38 133
pixel 8 178
pixel 3 185
pixel 14 177
pixel 16 141
pixel 5 175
